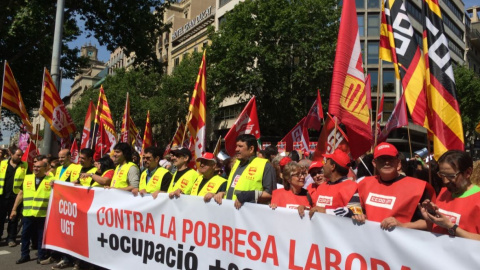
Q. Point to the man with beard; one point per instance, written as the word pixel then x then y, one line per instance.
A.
pixel 127 174
pixel 12 173
pixel 391 198
pixel 456 209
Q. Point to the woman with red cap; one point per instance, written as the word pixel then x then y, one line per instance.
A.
pixel 293 194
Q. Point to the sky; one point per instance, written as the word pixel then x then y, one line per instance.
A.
pixel 104 55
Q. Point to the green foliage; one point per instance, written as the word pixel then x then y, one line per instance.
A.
pixel 166 97
pixel 27 30
pixel 468 96
pixel 281 51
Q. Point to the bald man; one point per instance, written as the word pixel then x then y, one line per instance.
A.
pixel 66 167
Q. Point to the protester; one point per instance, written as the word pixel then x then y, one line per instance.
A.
pixel 391 198
pixel 54 163
pixel 293 194
pixel 455 212
pixel 87 168
pixel 316 172
pixel 208 183
pixel 34 194
pixel 305 163
pixel 154 178
pixel 252 179
pixel 12 174
pixel 365 167
pixel 3 154
pixel 338 193
pixel 63 172
pixel 127 174
pixel 184 177
pixel 270 152
pixel 104 174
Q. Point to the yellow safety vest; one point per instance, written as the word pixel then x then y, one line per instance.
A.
pixel 155 181
pixel 67 172
pixel 211 186
pixel 87 180
pixel 35 201
pixel 250 179
pixel 95 183
pixel 20 172
pixel 185 183
pixel 120 176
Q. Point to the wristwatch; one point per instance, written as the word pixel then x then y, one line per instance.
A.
pixel 452 231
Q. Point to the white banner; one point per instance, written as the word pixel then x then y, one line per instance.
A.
pixel 116 230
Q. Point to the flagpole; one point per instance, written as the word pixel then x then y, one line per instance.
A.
pixel 3 85
pixel 185 130
pixel 429 161
pixel 36 134
pixel 379 87
pixel 409 141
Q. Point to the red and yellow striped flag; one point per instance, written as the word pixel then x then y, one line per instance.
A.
pixel 197 110
pixel 12 99
pixel 129 130
pixel 443 113
pixel 53 109
pixel 178 137
pixel 103 113
pixel 147 135
pixel 405 55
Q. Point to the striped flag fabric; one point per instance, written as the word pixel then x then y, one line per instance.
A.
pixel 348 98
pixel 147 135
pixel 197 111
pixel 12 99
pixel 443 113
pixel 218 146
pixel 398 45
pixel 103 116
pixel 87 133
pixel 179 134
pixel 53 109
pixel 397 119
pixel 125 131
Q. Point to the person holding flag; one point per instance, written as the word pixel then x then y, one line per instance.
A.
pixel 12 173
pixel 251 179
pixel 127 174
pixel 154 179
pixel 184 177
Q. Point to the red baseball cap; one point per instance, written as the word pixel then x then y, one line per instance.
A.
pixel 340 157
pixel 316 164
pixel 385 149
pixel 207 156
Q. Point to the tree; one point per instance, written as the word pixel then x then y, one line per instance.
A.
pixel 166 97
pixel 468 94
pixel 27 29
pixel 281 51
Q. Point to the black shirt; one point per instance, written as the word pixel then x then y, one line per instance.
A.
pixel 9 179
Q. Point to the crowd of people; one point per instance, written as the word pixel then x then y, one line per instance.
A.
pixel 441 197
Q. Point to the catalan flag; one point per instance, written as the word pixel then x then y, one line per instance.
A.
pixel 147 135
pixel 103 116
pixel 197 111
pixel 129 130
pixel 87 133
pixel 348 98
pixel 53 109
pixel 443 113
pixel 12 99
pixel 179 134
pixel 398 45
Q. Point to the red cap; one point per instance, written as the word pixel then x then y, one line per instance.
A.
pixel 284 161
pixel 207 156
pixel 316 164
pixel 340 157
pixel 385 149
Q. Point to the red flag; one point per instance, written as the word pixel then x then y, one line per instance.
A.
pixel 147 135
pixel 104 143
pixel 197 112
pixel 103 115
pixel 298 134
pixel 129 131
pixel 330 139
pixel 53 109
pixel 246 123
pixel 75 154
pixel 315 115
pixel 398 119
pixel 348 98
pixel 30 154
pixel 88 127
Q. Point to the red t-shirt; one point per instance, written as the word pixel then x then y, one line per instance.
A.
pixel 286 198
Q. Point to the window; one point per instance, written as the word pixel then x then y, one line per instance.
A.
pixel 455 10
pixel 223 2
pixel 176 62
pixel 221 21
pixel 361 25
pixel 454 48
pixel 413 10
pixel 373 25
pixel 373 79
pixel 373 3
pixel 195 50
pixel 372 52
pixel 229 112
pixel 389 81
pixel 388 106
pixel 452 26
pixel 360 4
